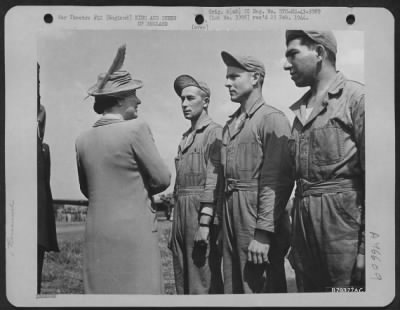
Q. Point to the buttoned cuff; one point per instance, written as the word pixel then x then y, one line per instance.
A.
pixel 262 225
pixel 207 211
pixel 263 236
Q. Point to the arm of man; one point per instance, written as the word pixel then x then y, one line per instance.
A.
pixel 150 160
pixel 275 184
pixel 209 196
pixel 358 118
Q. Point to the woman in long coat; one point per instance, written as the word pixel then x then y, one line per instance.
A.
pixel 46 223
pixel 119 171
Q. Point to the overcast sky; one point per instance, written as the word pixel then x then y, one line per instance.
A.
pixel 71 61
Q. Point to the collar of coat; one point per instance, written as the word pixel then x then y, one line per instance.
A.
pixel 107 119
pixel 334 90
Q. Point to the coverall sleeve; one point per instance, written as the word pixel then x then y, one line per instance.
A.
pixel 176 161
pixel 221 183
pixel 81 175
pixel 209 196
pixel 358 117
pixel 276 181
pixel 157 174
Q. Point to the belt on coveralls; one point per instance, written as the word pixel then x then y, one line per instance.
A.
pixel 305 188
pixel 190 190
pixel 240 185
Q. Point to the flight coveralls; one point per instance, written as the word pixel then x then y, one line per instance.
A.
pixel 258 184
pixel 197 268
pixel 328 214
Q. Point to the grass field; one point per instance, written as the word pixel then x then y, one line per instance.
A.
pixel 62 272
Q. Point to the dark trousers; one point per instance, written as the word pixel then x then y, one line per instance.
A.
pixel 40 259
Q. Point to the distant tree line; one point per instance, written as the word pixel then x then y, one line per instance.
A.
pixel 75 210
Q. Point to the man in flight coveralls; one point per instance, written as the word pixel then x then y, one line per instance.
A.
pixel 197 262
pixel 328 147
pixel 258 183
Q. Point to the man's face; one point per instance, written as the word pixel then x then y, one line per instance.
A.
pixel 193 102
pixel 131 107
pixel 240 83
pixel 302 63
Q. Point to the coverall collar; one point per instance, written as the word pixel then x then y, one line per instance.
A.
pixel 249 113
pixel 203 122
pixel 334 89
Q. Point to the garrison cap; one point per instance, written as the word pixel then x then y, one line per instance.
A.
pixel 325 38
pixel 185 80
pixel 247 63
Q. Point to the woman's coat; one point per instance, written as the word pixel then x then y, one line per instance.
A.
pixel 119 170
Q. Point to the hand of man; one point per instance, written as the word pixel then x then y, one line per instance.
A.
pixel 359 270
pixel 202 235
pixel 258 252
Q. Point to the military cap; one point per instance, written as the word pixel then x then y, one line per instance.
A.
pixel 325 38
pixel 185 80
pixel 247 63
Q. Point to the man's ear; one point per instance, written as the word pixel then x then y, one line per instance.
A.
pixel 256 77
pixel 206 101
pixel 321 52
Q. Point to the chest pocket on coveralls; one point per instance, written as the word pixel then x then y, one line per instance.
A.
pixel 327 145
pixel 194 161
pixel 193 168
pixel 246 156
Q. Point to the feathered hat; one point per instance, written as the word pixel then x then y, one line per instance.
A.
pixel 115 82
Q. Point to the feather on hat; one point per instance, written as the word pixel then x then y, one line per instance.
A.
pixel 115 82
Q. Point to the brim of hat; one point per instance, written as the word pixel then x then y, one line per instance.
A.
pixel 230 60
pixel 132 85
pixel 188 80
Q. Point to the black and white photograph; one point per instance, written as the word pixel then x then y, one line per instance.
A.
pixel 214 151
